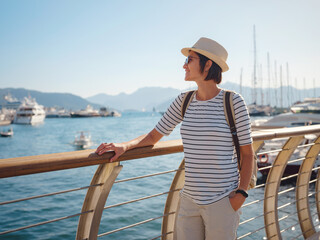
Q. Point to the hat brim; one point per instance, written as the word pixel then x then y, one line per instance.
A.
pixel 216 59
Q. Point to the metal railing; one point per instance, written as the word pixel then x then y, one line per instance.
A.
pixel 282 205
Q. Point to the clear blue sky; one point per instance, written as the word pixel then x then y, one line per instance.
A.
pixel 89 47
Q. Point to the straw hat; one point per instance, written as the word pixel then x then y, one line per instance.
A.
pixel 212 50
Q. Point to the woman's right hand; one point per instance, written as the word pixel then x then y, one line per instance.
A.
pixel 117 148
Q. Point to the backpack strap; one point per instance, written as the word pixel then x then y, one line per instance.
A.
pixel 186 102
pixel 230 117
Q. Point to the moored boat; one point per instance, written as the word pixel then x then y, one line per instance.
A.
pixel 270 152
pixel 10 102
pixel 309 105
pixel 55 113
pixel 88 112
pixel 29 112
pixel 259 110
pixel 115 114
pixel 104 112
pixel 287 120
pixel 8 133
pixel 284 120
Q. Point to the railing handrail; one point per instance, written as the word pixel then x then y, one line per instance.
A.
pixel 12 167
pixel 19 166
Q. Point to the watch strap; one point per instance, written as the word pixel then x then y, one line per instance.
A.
pixel 242 192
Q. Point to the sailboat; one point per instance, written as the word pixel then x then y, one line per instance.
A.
pixel 253 108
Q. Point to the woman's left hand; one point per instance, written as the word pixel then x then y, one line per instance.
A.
pixel 236 201
pixel 118 148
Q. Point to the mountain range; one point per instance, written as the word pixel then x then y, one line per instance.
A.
pixel 159 98
pixel 143 99
pixel 65 100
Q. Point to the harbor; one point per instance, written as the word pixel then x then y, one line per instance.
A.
pixel 28 111
pixel 77 76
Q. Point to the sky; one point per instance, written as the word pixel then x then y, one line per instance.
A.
pixel 91 47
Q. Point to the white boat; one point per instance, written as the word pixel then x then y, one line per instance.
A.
pixel 286 120
pixel 280 121
pixel 259 110
pixel 10 102
pixel 88 112
pixel 115 114
pixel 271 149
pixel 8 133
pixel 104 112
pixel 82 140
pixel 55 113
pixel 309 105
pixel 29 112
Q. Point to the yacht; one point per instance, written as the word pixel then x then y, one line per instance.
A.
pixel 88 112
pixel 309 105
pixel 259 110
pixel 56 113
pixel 104 112
pixel 270 149
pixel 10 102
pixel 29 112
pixel 286 120
pixel 114 113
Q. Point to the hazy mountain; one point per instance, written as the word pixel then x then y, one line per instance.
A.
pixel 65 100
pixel 144 98
pixel 160 98
pixel 272 96
pixel 156 97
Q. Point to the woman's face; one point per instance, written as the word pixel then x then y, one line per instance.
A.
pixel 192 69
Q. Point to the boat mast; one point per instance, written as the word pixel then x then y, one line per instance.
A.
pixel 254 66
pixel 304 89
pixel 281 90
pixel 314 88
pixel 241 81
pixel 297 90
pixel 261 81
pixel 275 83
pixel 268 92
pixel 288 82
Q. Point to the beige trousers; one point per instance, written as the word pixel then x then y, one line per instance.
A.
pixel 198 222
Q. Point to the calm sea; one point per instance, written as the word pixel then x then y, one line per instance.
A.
pixel 56 135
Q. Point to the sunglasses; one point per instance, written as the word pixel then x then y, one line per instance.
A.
pixel 188 59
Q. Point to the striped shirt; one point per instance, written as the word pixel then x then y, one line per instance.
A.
pixel 211 170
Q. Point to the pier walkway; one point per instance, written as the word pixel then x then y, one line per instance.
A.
pixel 273 216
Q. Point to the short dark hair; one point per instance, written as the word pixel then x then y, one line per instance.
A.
pixel 214 72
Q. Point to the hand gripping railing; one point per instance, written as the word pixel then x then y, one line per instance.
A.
pixel 106 174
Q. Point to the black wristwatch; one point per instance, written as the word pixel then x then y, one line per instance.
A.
pixel 242 192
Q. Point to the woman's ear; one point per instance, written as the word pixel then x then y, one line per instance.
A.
pixel 208 66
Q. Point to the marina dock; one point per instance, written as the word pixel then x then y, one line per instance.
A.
pixel 273 217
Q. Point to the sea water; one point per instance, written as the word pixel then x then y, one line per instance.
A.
pixel 57 135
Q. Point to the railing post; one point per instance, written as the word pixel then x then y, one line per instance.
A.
pixel 272 187
pixel 302 191
pixel 318 193
pixel 257 145
pixel 168 222
pixel 95 200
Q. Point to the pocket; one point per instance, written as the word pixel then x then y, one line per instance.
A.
pixel 230 205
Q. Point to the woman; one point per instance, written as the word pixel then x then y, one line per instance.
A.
pixel 214 190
